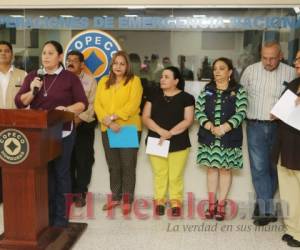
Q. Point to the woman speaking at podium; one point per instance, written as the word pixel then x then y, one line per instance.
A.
pixel 55 88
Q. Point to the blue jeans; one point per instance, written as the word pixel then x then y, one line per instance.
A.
pixel 261 138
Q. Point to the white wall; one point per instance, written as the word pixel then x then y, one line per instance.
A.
pixel 195 177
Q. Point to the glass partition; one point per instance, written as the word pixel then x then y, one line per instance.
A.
pixel 188 38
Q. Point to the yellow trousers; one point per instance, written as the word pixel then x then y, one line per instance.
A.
pixel 289 188
pixel 168 176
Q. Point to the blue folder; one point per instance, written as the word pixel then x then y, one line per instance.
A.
pixel 127 137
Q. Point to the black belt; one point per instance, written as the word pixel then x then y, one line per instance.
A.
pixel 260 121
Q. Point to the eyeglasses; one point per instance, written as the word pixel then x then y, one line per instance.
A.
pixel 297 60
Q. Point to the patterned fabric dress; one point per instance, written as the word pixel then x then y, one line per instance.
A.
pixel 215 155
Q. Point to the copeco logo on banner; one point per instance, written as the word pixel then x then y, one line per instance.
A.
pixel 98 47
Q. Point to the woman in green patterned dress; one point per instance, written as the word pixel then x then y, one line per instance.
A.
pixel 220 110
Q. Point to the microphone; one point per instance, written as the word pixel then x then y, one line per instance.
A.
pixel 41 75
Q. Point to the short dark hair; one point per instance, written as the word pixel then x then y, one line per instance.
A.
pixel 181 57
pixel 8 44
pixel 177 75
pixel 134 58
pixel 76 53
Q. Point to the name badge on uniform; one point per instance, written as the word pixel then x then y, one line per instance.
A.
pixel 207 92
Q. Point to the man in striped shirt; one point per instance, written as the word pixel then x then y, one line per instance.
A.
pixel 264 82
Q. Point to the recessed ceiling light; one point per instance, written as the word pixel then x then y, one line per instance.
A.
pixel 136 7
pixel 226 21
pixel 197 16
pixel 131 15
pixel 66 16
pixel 16 15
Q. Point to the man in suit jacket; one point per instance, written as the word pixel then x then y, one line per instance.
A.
pixel 11 79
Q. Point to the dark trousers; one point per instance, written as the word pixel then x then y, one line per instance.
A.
pixel 59 181
pixel 83 157
pixel 121 165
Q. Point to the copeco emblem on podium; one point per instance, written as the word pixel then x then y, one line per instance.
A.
pixel 98 47
pixel 14 146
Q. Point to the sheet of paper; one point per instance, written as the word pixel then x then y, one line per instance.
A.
pixel 294 118
pixel 153 148
pixel 127 137
pixel 286 110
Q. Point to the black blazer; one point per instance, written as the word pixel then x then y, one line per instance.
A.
pixel 287 143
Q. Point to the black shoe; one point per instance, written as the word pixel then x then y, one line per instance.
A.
pixel 293 243
pixel 287 237
pixel 264 220
pixel 80 201
pixel 176 211
pixel 160 210
pixel 272 218
pixel 256 213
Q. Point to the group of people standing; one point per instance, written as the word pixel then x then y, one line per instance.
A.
pixel 169 111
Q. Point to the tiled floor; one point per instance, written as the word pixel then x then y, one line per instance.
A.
pixel 171 234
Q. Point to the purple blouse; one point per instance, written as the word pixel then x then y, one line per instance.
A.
pixel 63 89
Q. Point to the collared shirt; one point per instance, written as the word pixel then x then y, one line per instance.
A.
pixel 56 72
pixel 264 88
pixel 4 80
pixel 89 85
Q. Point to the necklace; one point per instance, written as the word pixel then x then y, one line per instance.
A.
pixel 46 91
pixel 169 98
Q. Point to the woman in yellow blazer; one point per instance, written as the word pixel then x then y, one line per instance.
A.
pixel 117 103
